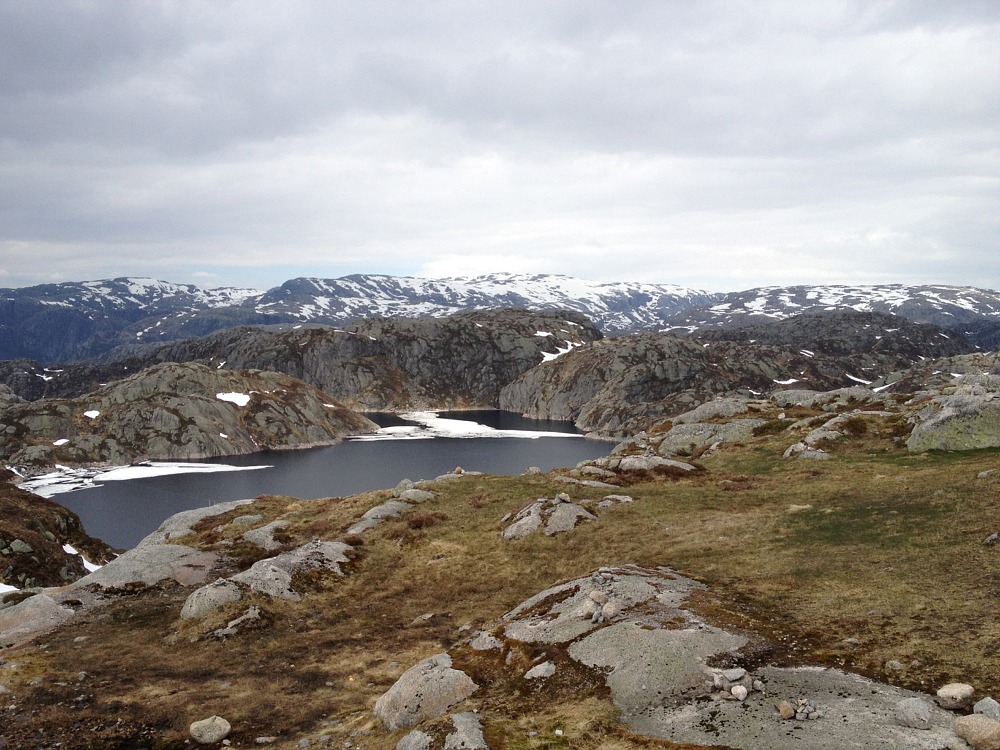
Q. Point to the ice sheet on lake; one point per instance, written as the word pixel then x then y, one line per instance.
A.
pixel 430 425
pixel 65 479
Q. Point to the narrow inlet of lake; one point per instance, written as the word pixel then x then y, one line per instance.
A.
pixel 422 447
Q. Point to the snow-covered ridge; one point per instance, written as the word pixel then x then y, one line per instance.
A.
pixel 132 310
pixel 131 292
pixel 617 306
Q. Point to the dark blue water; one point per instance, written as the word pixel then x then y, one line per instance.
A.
pixel 123 512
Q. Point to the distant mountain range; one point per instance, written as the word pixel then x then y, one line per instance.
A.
pixel 86 320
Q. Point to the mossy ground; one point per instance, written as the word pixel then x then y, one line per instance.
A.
pixel 874 545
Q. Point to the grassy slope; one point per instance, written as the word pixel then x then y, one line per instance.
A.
pixel 874 545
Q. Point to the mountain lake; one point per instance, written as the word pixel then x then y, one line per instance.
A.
pixel 122 506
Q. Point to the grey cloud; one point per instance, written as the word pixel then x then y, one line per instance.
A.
pixel 399 133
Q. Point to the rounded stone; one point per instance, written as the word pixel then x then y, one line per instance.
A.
pixel 955 696
pixel 980 731
pixel 211 730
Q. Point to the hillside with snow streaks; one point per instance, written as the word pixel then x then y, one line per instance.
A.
pixel 80 320
pixel 129 293
pixel 974 312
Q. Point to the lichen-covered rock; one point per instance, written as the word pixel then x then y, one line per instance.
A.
pixel 527 521
pixel 150 563
pixel 263 536
pixel 468 733
pixel 987 707
pixel 554 516
pixel 565 517
pixel 415 740
pixel 687 436
pixel 961 421
pixel 273 576
pixel 414 495
pixel 425 691
pixel 651 463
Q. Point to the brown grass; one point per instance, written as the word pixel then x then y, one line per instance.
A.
pixel 874 545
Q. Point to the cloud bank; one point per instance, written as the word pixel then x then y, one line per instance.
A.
pixel 719 145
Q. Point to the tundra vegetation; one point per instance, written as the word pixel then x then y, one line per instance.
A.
pixel 871 560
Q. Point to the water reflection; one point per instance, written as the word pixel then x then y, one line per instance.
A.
pixel 123 512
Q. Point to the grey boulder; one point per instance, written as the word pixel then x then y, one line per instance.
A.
pixel 425 691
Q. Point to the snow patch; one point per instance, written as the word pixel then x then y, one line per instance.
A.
pixel 60 441
pixel 240 399
pixel 69 549
pixel 787 382
pixel 430 425
pixel 549 356
pixel 92 414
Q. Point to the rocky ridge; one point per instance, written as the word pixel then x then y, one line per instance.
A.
pixel 458 361
pixel 617 387
pixel 175 411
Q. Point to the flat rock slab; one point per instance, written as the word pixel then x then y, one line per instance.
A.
pixel 646 666
pixel 31 618
pixel 857 713
pixel 150 563
pixel 655 653
pixel 180 524
pixel 388 509
pixel 563 621
pixel 263 536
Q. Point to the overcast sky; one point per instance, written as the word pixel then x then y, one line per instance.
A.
pixel 716 145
